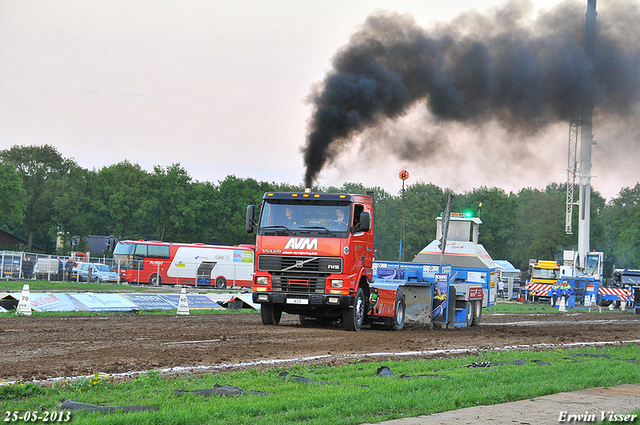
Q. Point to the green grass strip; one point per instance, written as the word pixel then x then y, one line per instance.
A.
pixel 353 393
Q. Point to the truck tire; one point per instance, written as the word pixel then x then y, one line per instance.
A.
pixel 399 315
pixel 470 312
pixel 353 318
pixel 221 282
pixel 270 315
pixel 477 314
pixel 155 280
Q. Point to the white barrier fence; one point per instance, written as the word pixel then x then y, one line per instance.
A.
pixel 31 266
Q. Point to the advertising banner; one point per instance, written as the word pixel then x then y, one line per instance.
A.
pixel 195 301
pixel 441 292
pixel 151 301
pixel 105 302
pixel 55 302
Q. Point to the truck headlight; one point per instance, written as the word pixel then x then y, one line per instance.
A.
pixel 262 280
pixel 337 283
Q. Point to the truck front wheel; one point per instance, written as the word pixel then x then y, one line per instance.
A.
pixel 270 315
pixel 354 317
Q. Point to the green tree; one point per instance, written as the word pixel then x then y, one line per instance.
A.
pixel 36 165
pixel 13 195
pixel 230 206
pixel 204 195
pixel 71 206
pixel 497 210
pixel 622 218
pixel 540 225
pixel 172 199
pixel 423 204
pixel 122 199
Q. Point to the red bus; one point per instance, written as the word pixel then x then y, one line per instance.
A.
pixel 186 264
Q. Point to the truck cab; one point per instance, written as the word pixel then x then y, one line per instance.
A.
pixel 314 255
pixel 544 272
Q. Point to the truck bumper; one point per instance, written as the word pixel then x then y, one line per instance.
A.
pixel 301 301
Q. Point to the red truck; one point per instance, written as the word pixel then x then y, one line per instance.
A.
pixel 314 257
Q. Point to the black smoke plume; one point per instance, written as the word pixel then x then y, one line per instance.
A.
pixel 509 67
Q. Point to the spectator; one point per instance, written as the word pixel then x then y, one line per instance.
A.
pixel 500 288
pixel 27 268
pixel 566 292
pixel 60 269
pixel 68 268
pixel 555 293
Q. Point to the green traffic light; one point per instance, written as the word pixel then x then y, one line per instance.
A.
pixel 467 214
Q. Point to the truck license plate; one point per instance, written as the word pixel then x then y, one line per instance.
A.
pixel 297 301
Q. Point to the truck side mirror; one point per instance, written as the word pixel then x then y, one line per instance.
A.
pixel 250 222
pixel 365 222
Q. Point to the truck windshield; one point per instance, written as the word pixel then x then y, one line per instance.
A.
pixel 545 273
pixel 629 277
pixel 330 218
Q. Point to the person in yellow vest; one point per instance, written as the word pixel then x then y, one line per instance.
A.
pixel 566 291
pixel 555 293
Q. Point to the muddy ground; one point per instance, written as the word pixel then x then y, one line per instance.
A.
pixel 47 347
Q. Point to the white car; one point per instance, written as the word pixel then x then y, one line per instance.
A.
pixel 101 273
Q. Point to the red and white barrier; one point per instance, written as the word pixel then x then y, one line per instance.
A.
pixel 623 294
pixel 538 289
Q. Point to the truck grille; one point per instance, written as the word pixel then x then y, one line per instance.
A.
pixel 299 274
pixel 295 264
pixel 297 283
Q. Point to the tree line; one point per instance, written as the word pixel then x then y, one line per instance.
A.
pixel 45 195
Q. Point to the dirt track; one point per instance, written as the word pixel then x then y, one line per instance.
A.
pixel 45 347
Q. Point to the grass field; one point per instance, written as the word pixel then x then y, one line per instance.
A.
pixel 512 307
pixel 349 394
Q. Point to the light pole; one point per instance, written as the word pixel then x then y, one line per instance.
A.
pixel 404 175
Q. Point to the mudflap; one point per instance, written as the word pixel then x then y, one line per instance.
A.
pixel 451 308
pixel 418 305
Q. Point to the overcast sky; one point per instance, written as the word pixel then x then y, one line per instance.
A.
pixel 221 86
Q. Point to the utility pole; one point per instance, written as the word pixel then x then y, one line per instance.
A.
pixel 404 175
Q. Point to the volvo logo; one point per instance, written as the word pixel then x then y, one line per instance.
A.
pixel 299 264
